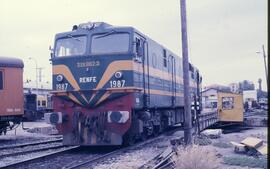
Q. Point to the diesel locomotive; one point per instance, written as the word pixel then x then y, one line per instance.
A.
pixel 114 85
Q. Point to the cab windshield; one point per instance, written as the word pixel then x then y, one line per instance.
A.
pixel 70 46
pixel 110 43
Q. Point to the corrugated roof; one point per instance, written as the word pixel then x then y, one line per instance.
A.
pixel 11 62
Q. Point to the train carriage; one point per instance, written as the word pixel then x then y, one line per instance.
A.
pixel 11 92
pixel 114 84
pixel 36 105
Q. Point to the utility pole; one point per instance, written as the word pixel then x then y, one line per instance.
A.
pixel 266 74
pixel 187 106
pixel 265 66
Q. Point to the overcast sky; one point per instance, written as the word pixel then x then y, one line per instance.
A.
pixel 224 35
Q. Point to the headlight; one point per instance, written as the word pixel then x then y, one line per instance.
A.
pixel 88 25
pixel 53 118
pixel 59 78
pixel 118 116
pixel 118 75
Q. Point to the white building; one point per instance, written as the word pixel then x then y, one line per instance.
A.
pixel 249 95
pixel 210 99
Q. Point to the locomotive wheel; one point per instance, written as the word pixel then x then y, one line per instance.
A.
pixel 129 140
pixel 156 131
pixel 144 135
pixel 149 130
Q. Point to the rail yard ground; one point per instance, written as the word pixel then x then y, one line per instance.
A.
pixel 34 131
pixel 221 147
pixel 134 158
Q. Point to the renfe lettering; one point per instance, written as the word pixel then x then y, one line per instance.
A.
pixel 88 79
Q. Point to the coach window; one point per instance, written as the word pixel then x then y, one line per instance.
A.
pixel 1 80
pixel 43 103
pixel 164 58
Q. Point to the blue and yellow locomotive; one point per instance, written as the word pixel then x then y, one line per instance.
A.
pixel 114 85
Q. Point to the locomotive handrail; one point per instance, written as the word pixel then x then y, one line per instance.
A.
pixel 99 89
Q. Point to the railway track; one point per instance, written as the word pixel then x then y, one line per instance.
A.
pixel 38 155
pixel 25 153
pixel 30 144
pixel 79 157
pixel 89 163
pixel 24 149
pixel 101 158
pixel 13 153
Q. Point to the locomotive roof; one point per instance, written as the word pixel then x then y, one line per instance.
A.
pixel 97 26
pixel 91 26
pixel 11 62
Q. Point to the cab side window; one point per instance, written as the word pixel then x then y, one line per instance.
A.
pixel 139 49
pixel 1 80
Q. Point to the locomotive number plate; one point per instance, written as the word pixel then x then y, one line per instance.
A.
pixel 117 83
pixel 62 86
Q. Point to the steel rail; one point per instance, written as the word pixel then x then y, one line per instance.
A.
pixel 30 144
pixel 23 152
pixel 36 158
pixel 99 158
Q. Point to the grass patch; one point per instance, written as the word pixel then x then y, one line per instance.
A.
pixel 222 145
pixel 246 161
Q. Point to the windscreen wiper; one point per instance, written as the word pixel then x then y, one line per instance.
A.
pixel 106 34
pixel 70 36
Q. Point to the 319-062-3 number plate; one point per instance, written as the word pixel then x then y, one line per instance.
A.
pixel 62 86
pixel 117 83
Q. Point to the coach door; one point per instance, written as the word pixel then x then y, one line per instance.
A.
pixel 173 78
pixel 142 57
